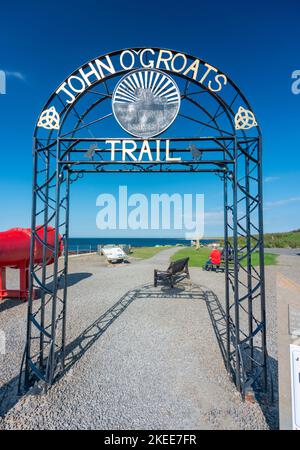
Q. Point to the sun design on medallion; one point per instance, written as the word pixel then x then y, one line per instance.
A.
pixel 146 102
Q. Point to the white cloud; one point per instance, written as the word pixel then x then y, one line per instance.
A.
pixel 282 202
pixel 15 74
pixel 271 179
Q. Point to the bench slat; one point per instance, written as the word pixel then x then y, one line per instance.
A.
pixel 176 267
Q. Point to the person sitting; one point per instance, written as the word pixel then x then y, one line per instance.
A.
pixel 214 258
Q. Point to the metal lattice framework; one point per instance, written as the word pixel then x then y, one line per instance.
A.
pixel 63 154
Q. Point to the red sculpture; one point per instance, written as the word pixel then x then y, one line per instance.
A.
pixel 15 253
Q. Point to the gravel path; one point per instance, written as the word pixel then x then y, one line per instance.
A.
pixel 156 366
pixel 284 251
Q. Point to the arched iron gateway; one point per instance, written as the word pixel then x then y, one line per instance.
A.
pixel 201 107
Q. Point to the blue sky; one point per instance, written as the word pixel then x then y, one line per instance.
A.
pixel 255 44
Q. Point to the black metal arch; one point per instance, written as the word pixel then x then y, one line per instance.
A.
pixel 60 157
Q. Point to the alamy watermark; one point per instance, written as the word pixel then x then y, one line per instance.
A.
pixel 178 213
pixel 2 82
pixel 296 82
pixel 2 342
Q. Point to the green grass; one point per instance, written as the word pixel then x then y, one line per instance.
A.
pixel 146 252
pixel 289 239
pixel 270 259
pixel 283 240
pixel 199 257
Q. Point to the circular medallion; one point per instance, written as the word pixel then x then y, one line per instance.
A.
pixel 146 102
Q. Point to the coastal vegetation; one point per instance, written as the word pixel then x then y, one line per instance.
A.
pixel 288 239
pixel 283 240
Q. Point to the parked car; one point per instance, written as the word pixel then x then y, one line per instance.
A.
pixel 114 254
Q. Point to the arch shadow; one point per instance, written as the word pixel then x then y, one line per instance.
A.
pixel 268 402
pixel 76 349
pixel 72 278
pixel 9 303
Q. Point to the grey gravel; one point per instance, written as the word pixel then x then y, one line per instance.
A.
pixel 157 366
pixel 284 251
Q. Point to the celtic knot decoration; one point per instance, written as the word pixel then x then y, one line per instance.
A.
pixel 49 119
pixel 244 119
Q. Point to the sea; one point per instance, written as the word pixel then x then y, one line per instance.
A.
pixel 90 244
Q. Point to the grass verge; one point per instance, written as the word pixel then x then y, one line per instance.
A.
pixel 146 252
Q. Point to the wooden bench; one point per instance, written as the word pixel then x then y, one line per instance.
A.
pixel 176 271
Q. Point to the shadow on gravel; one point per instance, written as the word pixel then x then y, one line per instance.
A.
pixel 8 391
pixel 269 403
pixel 187 291
pixel 10 303
pixel 79 346
pixel 76 349
pixel 8 395
pixel 74 278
